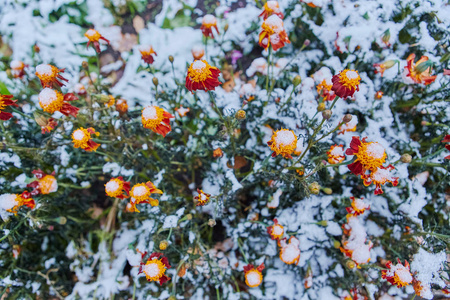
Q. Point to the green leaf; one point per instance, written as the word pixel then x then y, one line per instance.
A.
pixel 3 89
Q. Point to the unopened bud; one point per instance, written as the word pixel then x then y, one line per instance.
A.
pixel 62 220
pixel 314 188
pixel 85 65
pixel 350 264
pixel 406 158
pixel 306 43
pixel 425 123
pixel 323 223
pixel 347 118
pixel 212 222
pixel 326 114
pixel 389 63
pixel 327 191
pixel 225 28
pixel 240 114
pixel 40 119
pixel 172 298
pixel 36 48
pixel 386 36
pixel 155 81
pixel 189 217
pixel 422 67
pixel 321 107
pixel 297 80
pixel 171 58
pixel 163 245
pixel 337 244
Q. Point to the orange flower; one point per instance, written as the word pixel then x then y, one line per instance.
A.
pixel 307 283
pixel 324 91
pixel 49 75
pixel 336 154
pixel 202 198
pixel 12 202
pixel 422 290
pixel 156 119
pixel 117 188
pixel 155 268
pixel 273 33
pixel 140 193
pixel 379 177
pixel 217 153
pixel 346 83
pixel 6 100
pixel 45 183
pixel 380 68
pixel 52 101
pixel 197 52
pixel 420 71
pixel 48 126
pixel 359 206
pixel 253 276
pixel 271 8
pixel 81 138
pixel 121 106
pixel 94 37
pixel 275 231
pixel 182 111
pixel 290 252
pixel 283 142
pixel 397 275
pixel 202 76
pixel 379 95
pixel 208 23
pixel 111 101
pixel 147 53
pixel 18 68
pixel 369 156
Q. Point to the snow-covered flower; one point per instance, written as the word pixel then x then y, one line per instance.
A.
pixel 52 100
pixel 182 111
pixel 380 68
pixel 369 155
pixel 253 276
pixel 217 153
pixel 379 177
pixel 208 23
pixel 420 71
pixel 336 154
pixel 45 183
pixel 202 76
pixel 283 142
pixel 155 268
pixel 198 52
pixel 202 198
pixel 290 251
pixel 12 202
pixel 398 274
pixel 156 119
pixel 271 8
pixel 358 207
pixel 324 90
pixel 140 193
pixel 49 75
pixel 275 231
pixel 121 106
pixel 349 126
pixel 273 33
pixel 147 53
pixel 346 83
pixel 81 138
pixel 17 68
pixel 94 37
pixel 117 188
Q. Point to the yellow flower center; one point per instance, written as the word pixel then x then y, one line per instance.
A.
pixel 140 192
pixel 114 187
pixel 80 138
pixel 349 78
pixel 93 35
pixel 209 21
pixel 152 116
pixel 371 155
pixel 50 100
pixel 253 278
pixel 48 184
pixel 272 25
pixel 2 103
pixel 199 71
pixel 154 269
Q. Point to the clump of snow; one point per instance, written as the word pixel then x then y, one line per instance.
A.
pixel 375 150
pixel 149 113
pixel 44 69
pixel 47 96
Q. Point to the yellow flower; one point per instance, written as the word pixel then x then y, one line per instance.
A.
pixel 156 119
pixel 283 142
pixel 202 198
pixel 81 138
pixel 140 193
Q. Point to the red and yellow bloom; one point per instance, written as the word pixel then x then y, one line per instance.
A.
pixel 6 100
pixel 324 91
pixel 155 268
pixel 45 183
pixel 202 198
pixel 398 274
pixel 420 71
pixel 336 154
pixel 140 193
pixel 202 76
pixel 81 138
pixel 273 33
pixel 49 75
pixel 346 83
pixel 359 206
pixel 379 177
pixel 283 142
pixel 52 100
pixel 253 276
pixel 369 156
pixel 208 23
pixel 275 231
pixel 94 37
pixel 117 188
pixel 290 251
pixel 147 53
pixel 271 8
pixel 18 68
pixel 156 119
pixel 12 202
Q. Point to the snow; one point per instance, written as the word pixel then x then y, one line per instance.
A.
pixel 111 186
pixel 253 278
pixel 78 135
pixel 375 150
pixel 149 113
pixel 47 96
pixel 44 69
pixel 284 138
pixel 170 222
pixel 198 65
pixel 209 20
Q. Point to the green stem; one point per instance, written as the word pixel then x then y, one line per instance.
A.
pixel 242 251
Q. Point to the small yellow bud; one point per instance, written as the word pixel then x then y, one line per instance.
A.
pixel 297 80
pixel 62 220
pixel 406 158
pixel 337 244
pixel 314 188
pixel 163 245
pixel 350 264
pixel 321 107
pixel 171 59
pixel 212 222
pixel 323 223
pixel 225 29
pixel 189 217
pixel 85 65
pixel 155 81
pixel 240 114
pixel 327 191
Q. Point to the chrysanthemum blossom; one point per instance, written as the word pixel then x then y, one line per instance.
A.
pixel 271 8
pixel 140 193
pixel 420 71
pixel 48 125
pixel 81 138
pixel 350 126
pixel 208 23
pixel 147 53
pixel 379 177
pixel 157 119
pixel 346 83
pixel 273 33
pixel 202 76
pixel 182 111
pixel 290 251
pixel 398 274
pixel 253 276
pixel 422 289
pixel 202 198
pixel 276 231
pixel 358 207
pixel 336 154
pixel 94 37
pixel 49 75
pixel 356 246
pixel 324 90
pixel 18 68
pixel 12 202
pixel 117 188
pixel 6 100
pixel 45 183
pixel 121 106
pixel 52 100
pixel 155 268
pixel 283 142
pixel 369 156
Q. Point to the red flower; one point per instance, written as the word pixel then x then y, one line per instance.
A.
pixel 94 37
pixel 369 156
pixel 399 274
pixel 155 268
pixel 52 101
pixel 447 140
pixel 346 83
pixel 379 177
pixel 420 71
pixel 6 100
pixel 202 76
pixel 208 23
pixel 271 8
pixel 147 53
pixel 45 183
pixel 253 276
pixel 273 33
pixel 49 75
pixel 117 188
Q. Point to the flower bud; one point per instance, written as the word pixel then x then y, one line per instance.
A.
pixel 347 118
pixel 212 222
pixel 306 43
pixel 163 245
pixel 225 28
pixel 314 188
pixel 326 114
pixel 85 65
pixel 62 220
pixel 389 63
pixel 171 58
pixel 327 191
pixel 422 67
pixel 240 114
pixel 406 158
pixel 336 244
pixel 189 217
pixel 323 223
pixel 386 36
pixel 350 264
pixel 297 80
pixel 172 298
pixel 40 119
pixel 155 81
pixel 321 107
pixel 36 48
